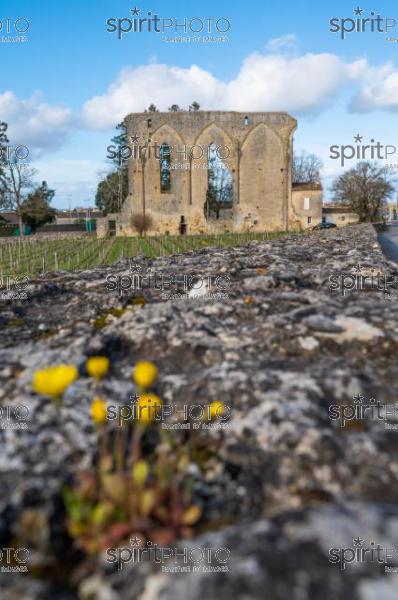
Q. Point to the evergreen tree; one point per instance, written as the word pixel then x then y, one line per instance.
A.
pixel 112 190
pixel 3 157
pixel 35 209
pixel 194 107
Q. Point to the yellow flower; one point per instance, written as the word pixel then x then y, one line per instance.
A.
pixel 148 404
pixel 140 473
pixel 98 411
pixel 97 366
pixel 145 373
pixel 53 381
pixel 215 409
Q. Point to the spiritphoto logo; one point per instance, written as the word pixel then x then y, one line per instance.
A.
pixel 14 417
pixel 364 278
pixel 361 150
pixel 137 23
pixel 13 288
pixel 151 149
pixel 360 552
pixel 362 410
pixel 13 154
pixel 14 29
pixel 14 560
pixel 361 23
pixel 172 559
pixel 187 416
pixel 181 283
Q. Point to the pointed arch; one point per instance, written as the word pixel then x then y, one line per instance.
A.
pixel 212 135
pixel 217 132
pixel 254 129
pixel 167 133
pixel 262 174
pixel 159 168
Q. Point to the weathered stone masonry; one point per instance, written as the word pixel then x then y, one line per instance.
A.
pixel 259 149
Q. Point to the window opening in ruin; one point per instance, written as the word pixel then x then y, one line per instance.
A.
pixel 219 194
pixel 183 225
pixel 165 168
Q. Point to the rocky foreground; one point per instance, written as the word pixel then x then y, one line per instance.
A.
pixel 285 352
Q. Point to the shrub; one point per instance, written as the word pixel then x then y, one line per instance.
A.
pixel 141 223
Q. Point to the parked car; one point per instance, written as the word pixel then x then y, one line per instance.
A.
pixel 325 226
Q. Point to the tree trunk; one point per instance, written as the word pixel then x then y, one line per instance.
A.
pixel 21 227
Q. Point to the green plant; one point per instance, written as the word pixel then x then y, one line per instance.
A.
pixel 140 482
pixel 125 495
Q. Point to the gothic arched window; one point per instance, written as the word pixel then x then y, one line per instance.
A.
pixel 219 184
pixel 165 168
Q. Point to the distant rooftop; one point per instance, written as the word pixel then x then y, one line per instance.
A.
pixel 336 208
pixel 77 213
pixel 310 185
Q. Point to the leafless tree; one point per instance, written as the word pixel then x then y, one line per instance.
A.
pixel 306 168
pixel 16 182
pixel 365 189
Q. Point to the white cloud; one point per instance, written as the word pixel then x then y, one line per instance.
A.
pixel 266 82
pixel 303 84
pixel 276 80
pixel 34 123
pixel 136 88
pixel 74 180
pixel 379 90
pixel 69 175
pixel 285 42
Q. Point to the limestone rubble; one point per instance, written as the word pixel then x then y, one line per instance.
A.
pixel 280 349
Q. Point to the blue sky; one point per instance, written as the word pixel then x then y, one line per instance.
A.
pixel 61 91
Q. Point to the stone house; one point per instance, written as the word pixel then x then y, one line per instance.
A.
pixel 307 204
pixel 339 215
